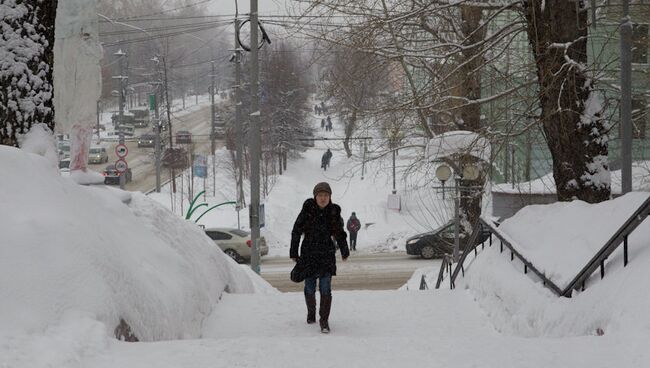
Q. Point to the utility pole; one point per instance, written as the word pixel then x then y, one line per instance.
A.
pixel 626 99
pixel 121 78
pixel 212 119
pixel 456 250
pixel 213 133
pixel 169 126
pixel 238 122
pixel 154 100
pixel 394 186
pixel 99 104
pixel 255 142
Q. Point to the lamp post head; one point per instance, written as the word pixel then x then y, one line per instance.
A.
pixel 470 172
pixel 443 173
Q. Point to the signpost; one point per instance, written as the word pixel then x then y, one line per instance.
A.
pixel 121 150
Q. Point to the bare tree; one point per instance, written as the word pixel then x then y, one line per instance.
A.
pixel 26 47
pixel 353 81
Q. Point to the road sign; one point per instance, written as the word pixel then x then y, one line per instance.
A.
pixel 121 165
pixel 121 150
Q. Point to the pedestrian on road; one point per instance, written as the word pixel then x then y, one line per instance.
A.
pixel 353 227
pixel 316 109
pixel 325 159
pixel 328 127
pixel 321 224
pixel 322 124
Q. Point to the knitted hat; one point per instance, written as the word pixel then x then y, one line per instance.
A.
pixel 322 187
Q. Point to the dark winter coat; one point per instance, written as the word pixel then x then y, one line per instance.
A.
pixel 319 226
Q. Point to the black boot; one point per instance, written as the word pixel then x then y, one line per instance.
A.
pixel 325 305
pixel 310 300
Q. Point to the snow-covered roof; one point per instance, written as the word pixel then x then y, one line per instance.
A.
pixel 458 142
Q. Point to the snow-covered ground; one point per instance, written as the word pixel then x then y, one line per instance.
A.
pixel 76 259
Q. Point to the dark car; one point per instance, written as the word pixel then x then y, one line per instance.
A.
pixel 439 242
pixel 183 137
pixel 147 140
pixel 176 158
pixel 112 176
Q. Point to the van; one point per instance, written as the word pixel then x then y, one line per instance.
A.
pixel 97 155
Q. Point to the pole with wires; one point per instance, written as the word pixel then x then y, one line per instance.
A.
pixel 626 99
pixel 255 142
pixel 169 127
pixel 238 122
pixel 212 133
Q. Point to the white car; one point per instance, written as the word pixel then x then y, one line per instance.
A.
pixel 235 243
pixel 97 155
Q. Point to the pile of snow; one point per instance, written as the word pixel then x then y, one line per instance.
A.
pixel 89 256
pixel 559 239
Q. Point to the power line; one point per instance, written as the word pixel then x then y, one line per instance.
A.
pixel 164 11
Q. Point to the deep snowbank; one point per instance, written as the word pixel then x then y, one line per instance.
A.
pixel 559 237
pixel 82 253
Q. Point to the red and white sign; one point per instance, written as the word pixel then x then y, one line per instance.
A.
pixel 121 150
pixel 121 165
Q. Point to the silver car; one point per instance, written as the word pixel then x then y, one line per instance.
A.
pixel 235 243
pixel 97 155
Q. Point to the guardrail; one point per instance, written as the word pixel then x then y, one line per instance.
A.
pixel 619 237
pixel 597 261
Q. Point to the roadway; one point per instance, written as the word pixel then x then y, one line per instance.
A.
pixel 361 271
pixel 142 160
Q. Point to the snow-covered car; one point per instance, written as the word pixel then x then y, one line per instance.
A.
pixel 439 242
pixel 63 147
pixel 97 155
pixel 64 166
pixel 235 243
pixel 112 176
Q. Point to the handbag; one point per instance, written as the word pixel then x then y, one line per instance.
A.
pixel 299 271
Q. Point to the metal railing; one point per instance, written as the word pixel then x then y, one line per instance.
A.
pixel 619 237
pixel 598 260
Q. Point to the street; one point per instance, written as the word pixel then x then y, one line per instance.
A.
pixel 374 271
pixel 142 160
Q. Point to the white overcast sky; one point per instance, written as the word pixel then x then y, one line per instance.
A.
pixel 265 7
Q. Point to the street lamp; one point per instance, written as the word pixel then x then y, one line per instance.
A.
pixel 466 172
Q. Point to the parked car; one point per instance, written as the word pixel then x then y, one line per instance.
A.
pixel 97 155
pixel 183 137
pixel 112 176
pixel 147 140
pixel 176 158
pixel 64 167
pixel 64 149
pixel 440 241
pixel 235 243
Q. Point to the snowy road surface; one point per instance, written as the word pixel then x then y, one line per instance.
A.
pixel 362 271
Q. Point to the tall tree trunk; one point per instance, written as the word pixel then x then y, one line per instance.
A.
pixel 470 88
pixel 350 127
pixel 571 116
pixel 27 46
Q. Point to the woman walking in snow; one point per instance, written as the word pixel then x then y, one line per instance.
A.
pixel 321 223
